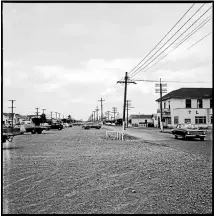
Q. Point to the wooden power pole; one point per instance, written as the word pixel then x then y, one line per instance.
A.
pixel 126 80
pixel 12 107
pixel 101 108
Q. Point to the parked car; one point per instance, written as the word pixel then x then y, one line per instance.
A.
pixel 57 125
pixel 91 125
pixel 188 131
pixel 65 125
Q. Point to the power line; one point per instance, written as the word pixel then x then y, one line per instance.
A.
pixel 172 42
pixel 168 39
pixel 165 35
pixel 183 40
pixel 199 41
pixel 172 81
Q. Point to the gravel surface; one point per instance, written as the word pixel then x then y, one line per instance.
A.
pixel 79 171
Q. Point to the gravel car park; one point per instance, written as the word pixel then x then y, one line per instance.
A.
pixel 78 171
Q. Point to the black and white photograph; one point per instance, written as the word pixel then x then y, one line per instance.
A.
pixel 106 107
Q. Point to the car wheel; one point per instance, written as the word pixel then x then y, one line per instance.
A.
pixel 202 138
pixel 39 131
pixel 175 136
pixel 59 128
pixel 185 137
pixel 33 131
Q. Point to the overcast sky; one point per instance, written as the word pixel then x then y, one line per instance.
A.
pixel 65 57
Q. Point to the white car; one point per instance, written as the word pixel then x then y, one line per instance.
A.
pixel 65 125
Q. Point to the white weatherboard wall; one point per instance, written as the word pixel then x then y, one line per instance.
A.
pixel 178 108
pixel 191 114
pixel 141 120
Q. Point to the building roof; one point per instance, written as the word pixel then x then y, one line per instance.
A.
pixel 140 116
pixel 190 93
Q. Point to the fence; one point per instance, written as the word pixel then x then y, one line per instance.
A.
pixel 116 135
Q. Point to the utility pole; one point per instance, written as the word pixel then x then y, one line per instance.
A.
pixel 127 109
pixel 51 115
pixel 59 115
pixel 37 113
pixel 114 111
pixel 161 114
pixel 43 111
pixel 161 90
pixel 94 116
pixel 101 108
pixel 108 113
pixel 56 115
pixel 12 112
pixel 97 112
pixel 126 80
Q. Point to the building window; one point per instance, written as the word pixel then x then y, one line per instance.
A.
pixel 175 119
pixel 169 120
pixel 211 103
pixel 169 104
pixel 200 119
pixel 186 121
pixel 211 119
pixel 199 103
pixel 164 105
pixel 188 103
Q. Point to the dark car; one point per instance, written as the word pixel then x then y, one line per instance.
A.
pixel 56 126
pixel 91 125
pixel 188 131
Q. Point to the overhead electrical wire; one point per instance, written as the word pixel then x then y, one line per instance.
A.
pixel 169 38
pixel 165 35
pixel 193 31
pixel 183 40
pixel 198 41
pixel 173 81
pixel 172 42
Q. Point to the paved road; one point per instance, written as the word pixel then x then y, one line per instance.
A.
pixel 153 135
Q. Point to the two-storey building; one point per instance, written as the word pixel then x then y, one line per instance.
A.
pixel 186 105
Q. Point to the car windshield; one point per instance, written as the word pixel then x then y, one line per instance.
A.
pixel 189 126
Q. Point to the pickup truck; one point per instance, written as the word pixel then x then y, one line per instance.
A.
pixel 31 127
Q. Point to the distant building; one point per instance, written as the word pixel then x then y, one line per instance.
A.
pixel 186 105
pixel 140 120
pixel 17 118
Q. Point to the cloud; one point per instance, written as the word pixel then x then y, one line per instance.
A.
pixel 74 29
